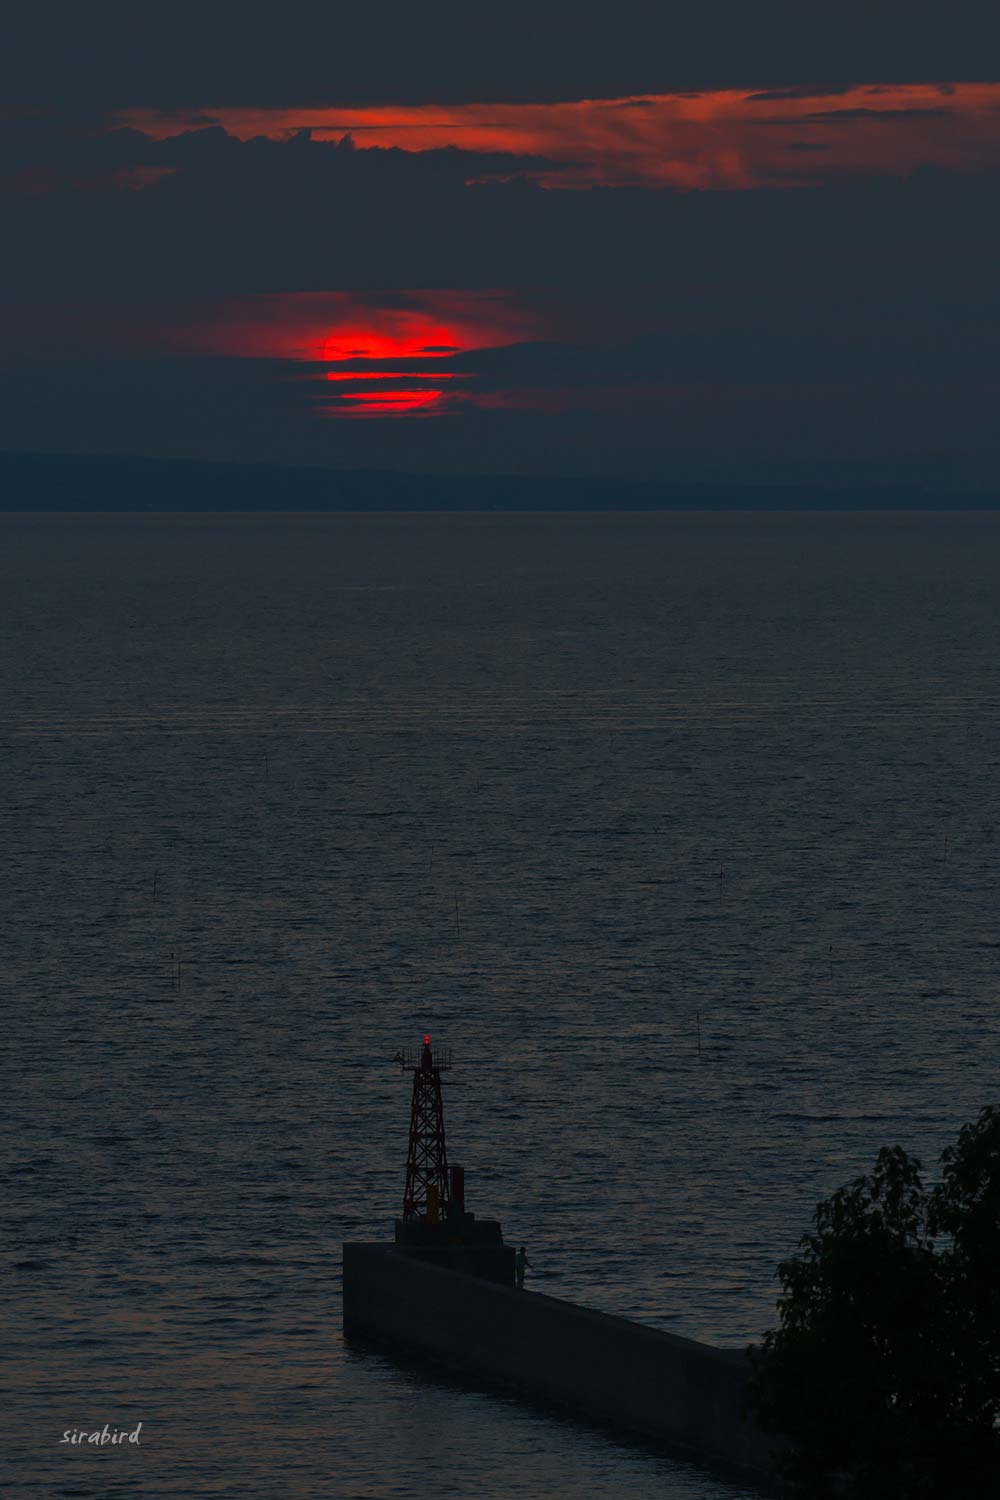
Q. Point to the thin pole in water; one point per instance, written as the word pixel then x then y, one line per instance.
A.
pixel 697 1017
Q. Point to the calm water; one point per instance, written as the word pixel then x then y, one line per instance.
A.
pixel 567 792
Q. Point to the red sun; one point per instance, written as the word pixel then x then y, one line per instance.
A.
pixel 380 364
pixel 376 343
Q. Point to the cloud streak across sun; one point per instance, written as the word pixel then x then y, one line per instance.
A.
pixel 723 139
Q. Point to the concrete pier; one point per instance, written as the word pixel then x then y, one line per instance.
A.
pixel 657 1385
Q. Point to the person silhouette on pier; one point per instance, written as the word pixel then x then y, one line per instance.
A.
pixel 520 1261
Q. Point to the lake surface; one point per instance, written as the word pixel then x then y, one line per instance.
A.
pixel 681 830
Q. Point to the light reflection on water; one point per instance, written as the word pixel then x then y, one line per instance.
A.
pixel 278 751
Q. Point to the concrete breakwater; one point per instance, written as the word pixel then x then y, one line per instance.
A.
pixel 657 1385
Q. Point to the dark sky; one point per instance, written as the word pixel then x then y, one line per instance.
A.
pixel 747 243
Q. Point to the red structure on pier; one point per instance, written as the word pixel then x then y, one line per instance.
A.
pixel 428 1192
pixel 435 1226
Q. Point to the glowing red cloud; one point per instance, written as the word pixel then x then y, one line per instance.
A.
pixel 368 376
pixel 728 138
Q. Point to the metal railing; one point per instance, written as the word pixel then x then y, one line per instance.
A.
pixel 411 1058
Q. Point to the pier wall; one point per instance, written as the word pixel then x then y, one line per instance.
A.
pixel 658 1385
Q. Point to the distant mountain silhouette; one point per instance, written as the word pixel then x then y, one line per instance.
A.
pixel 58 482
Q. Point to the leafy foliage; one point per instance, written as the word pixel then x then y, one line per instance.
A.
pixel 883 1379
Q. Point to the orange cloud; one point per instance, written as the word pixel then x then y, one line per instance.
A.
pixel 732 138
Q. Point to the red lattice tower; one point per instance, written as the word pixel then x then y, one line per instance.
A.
pixel 427 1194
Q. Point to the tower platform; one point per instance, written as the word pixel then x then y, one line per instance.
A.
pixel 460 1243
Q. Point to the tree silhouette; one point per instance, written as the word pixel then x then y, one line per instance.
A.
pixel 883 1379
